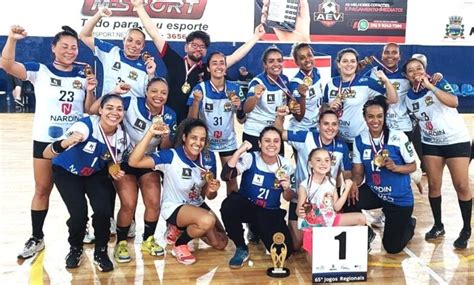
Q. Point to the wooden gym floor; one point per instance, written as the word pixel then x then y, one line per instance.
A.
pixel 420 263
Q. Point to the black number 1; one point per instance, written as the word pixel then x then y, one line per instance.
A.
pixel 342 245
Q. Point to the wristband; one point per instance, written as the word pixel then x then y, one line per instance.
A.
pixel 57 148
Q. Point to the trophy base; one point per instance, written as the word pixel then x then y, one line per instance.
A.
pixel 278 272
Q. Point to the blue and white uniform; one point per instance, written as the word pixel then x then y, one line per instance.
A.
pixel 60 99
pixel 389 186
pixel 182 181
pixel 118 68
pixel 397 114
pixel 356 93
pixel 304 142
pixel 217 111
pixel 258 179
pixel 314 99
pixel 91 155
pixel 265 109
pixel 138 119
pixel 439 124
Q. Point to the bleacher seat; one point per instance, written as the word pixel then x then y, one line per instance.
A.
pixel 467 89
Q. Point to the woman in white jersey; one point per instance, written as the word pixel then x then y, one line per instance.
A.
pixel 445 141
pixel 306 87
pixel 267 91
pixel 128 65
pixel 63 94
pixel 215 101
pixel 189 177
pixel 140 114
pixel 349 91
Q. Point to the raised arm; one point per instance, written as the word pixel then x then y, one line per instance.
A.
pixel 86 35
pixel 138 158
pixel 444 97
pixel 392 96
pixel 8 62
pixel 229 170
pixel 282 111
pixel 149 26
pixel 245 48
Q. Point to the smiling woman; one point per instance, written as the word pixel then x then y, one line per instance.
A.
pixel 63 93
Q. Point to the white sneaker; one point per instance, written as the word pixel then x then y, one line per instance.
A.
pixel 379 221
pixel 32 246
pixel 132 230
pixel 88 236
pixel 113 227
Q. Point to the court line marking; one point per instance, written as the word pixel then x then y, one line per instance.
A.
pixel 425 267
pixel 36 273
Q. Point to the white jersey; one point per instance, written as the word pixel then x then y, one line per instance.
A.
pixel 138 119
pixel 117 68
pixel 265 109
pixel 356 93
pixel 314 99
pixel 439 124
pixel 182 180
pixel 321 196
pixel 218 113
pixel 60 99
pixel 397 114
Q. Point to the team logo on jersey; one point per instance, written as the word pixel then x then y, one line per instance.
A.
pixel 167 117
pixel 415 106
pixel 89 147
pixel 139 125
pixel 116 66
pixel 133 75
pixel 428 100
pixel 55 82
pixel 76 84
pixel 106 156
pixel 271 98
pixel 312 92
pixel 409 148
pixel 396 85
pixel 429 125
pixel 66 108
pixel 257 179
pixel 367 153
pixel 186 173
pixel 217 134
pixel 208 107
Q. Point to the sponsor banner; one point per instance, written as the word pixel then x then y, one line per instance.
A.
pixel 365 21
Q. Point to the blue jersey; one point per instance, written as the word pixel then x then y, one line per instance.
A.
pixel 218 113
pixel 91 155
pixel 304 142
pixel 356 93
pixel 258 180
pixel 314 99
pixel 265 109
pixel 182 180
pixel 118 68
pixel 138 119
pixel 389 186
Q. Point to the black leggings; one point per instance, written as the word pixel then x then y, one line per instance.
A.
pixel 398 229
pixel 237 209
pixel 73 190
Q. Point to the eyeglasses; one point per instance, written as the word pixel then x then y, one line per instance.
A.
pixel 197 46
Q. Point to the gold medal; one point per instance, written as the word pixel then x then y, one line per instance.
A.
pixel 293 105
pixel 145 56
pixel 378 160
pixel 385 153
pixel 208 176
pixel 307 207
pixel 88 70
pixel 231 94
pixel 158 120
pixel 186 88
pixel 276 183
pixel 114 168
pixel 308 81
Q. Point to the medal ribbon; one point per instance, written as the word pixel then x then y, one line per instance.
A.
pixel 372 144
pixel 310 74
pixel 200 165
pixel 382 65
pixel 188 69
pixel 419 85
pixel 150 114
pixel 217 90
pixel 310 195
pixel 282 87
pixel 339 91
pixel 109 146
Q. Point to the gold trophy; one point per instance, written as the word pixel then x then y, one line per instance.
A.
pixel 278 251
